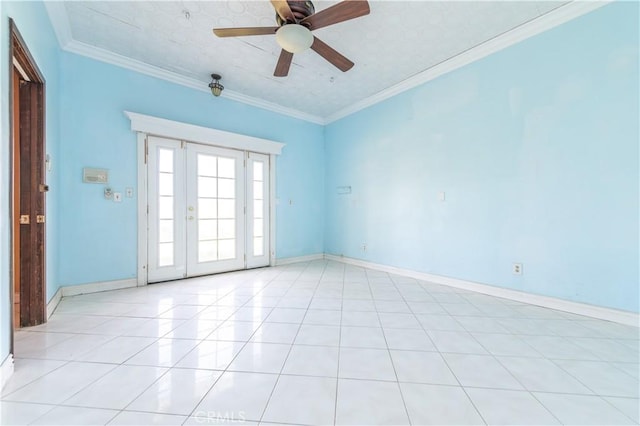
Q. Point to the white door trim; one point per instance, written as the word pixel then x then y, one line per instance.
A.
pixel 204 135
pixel 272 209
pixel 143 277
pixel 145 125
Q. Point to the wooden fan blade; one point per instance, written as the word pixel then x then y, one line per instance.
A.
pixel 331 55
pixel 282 8
pixel 284 62
pixel 343 11
pixel 240 32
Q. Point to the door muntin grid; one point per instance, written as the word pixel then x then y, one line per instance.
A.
pixel 216 208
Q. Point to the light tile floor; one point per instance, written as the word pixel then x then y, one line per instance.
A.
pixel 318 343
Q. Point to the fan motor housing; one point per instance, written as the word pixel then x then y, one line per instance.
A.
pixel 300 8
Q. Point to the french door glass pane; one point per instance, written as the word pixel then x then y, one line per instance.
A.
pixel 208 208
pixel 207 229
pixel 207 251
pixel 226 209
pixel 207 187
pixel 166 231
pixel 226 188
pixel 257 190
pixel 257 228
pixel 165 254
pixel 226 168
pixel 165 184
pixel 216 180
pixel 165 160
pixel 258 170
pixel 258 246
pixel 166 206
pixel 227 228
pixel 207 165
pixel 226 249
pixel 258 207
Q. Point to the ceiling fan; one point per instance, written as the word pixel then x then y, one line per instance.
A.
pixel 296 19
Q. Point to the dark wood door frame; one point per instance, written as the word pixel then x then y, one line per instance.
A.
pixel 27 101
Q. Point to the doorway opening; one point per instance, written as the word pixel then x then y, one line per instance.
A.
pixel 28 187
pixel 207 207
pixel 206 199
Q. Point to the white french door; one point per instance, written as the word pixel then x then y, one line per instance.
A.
pixel 208 209
pixel 257 210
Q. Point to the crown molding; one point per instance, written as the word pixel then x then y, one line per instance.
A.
pixel 529 29
pixel 59 19
pixel 109 57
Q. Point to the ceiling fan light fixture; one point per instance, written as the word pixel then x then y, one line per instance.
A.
pixel 294 38
pixel 215 86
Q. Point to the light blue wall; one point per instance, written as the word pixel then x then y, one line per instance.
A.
pixel 536 149
pixel 98 237
pixel 33 23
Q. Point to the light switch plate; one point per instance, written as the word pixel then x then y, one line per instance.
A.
pixel 117 197
pixel 128 192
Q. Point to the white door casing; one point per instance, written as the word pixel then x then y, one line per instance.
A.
pixel 146 126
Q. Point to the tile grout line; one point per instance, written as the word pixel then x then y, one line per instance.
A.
pixel 292 342
pixel 384 335
pixel 445 361
pixel 230 362
pixel 335 402
pixel 525 389
pixel 400 289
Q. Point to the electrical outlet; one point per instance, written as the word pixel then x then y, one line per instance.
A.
pixel 363 247
pixel 517 269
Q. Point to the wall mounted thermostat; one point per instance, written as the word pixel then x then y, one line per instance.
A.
pixel 92 175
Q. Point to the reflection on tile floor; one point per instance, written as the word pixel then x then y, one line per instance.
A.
pixel 318 343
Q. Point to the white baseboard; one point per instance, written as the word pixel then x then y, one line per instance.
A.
pixel 53 303
pixel 309 258
pixel 75 290
pixel 6 370
pixel 609 314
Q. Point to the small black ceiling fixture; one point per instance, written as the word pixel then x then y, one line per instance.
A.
pixel 215 86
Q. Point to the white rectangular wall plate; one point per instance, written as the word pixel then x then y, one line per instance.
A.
pixel 93 175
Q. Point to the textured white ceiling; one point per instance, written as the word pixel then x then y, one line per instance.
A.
pixel 397 40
